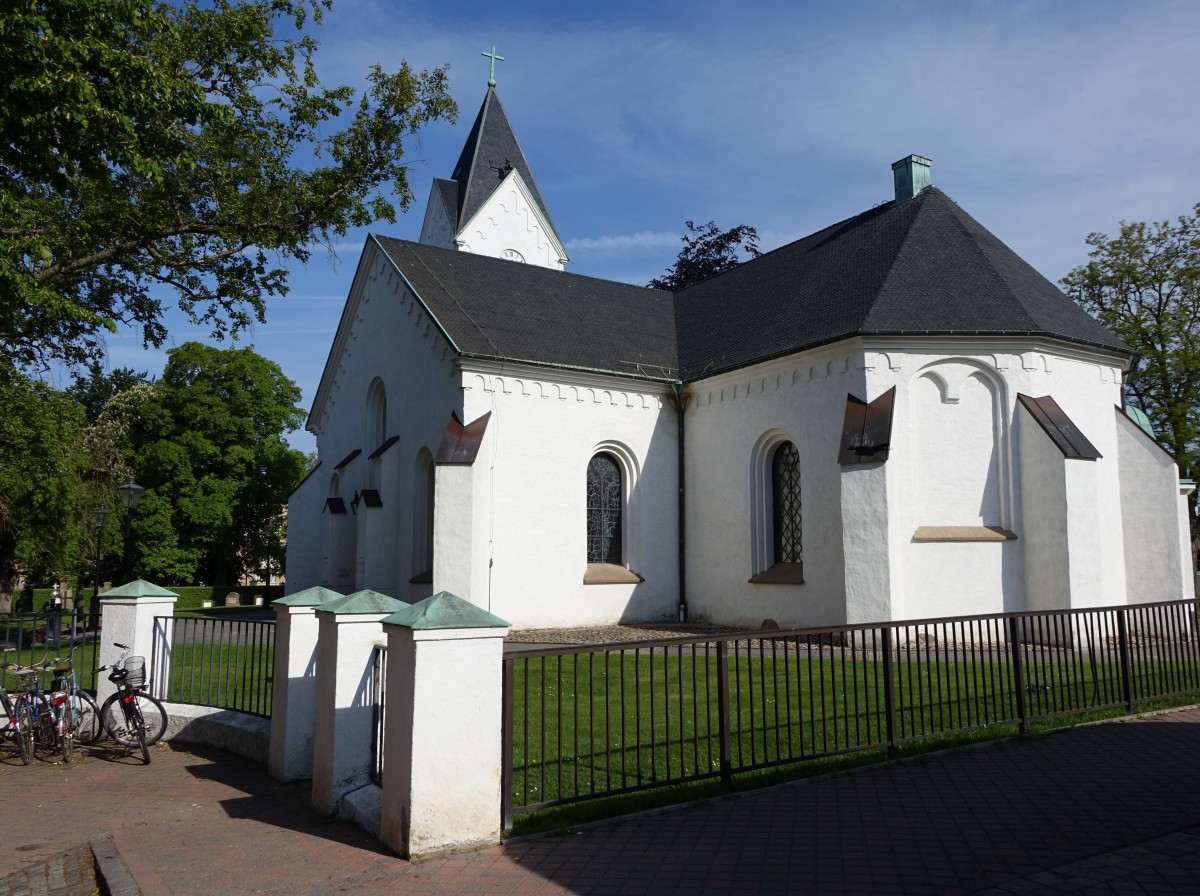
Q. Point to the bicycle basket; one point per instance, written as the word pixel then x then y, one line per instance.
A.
pixel 135 668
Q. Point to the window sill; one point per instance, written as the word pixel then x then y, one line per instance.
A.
pixel 780 574
pixel 962 533
pixel 609 574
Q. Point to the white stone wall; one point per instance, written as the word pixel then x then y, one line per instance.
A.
pixel 384 334
pixel 305 523
pixel 510 221
pixel 1154 562
pixel 955 460
pixel 731 422
pixel 527 538
pixel 437 229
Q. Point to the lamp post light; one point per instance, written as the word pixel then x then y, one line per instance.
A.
pixel 99 515
pixel 130 494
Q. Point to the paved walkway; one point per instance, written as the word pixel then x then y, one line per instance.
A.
pixel 1111 808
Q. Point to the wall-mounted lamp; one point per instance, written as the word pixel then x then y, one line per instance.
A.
pixel 354 502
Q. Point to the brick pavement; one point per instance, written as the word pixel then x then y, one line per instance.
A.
pixel 1111 808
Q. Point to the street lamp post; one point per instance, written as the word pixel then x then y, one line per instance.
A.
pixel 99 515
pixel 130 494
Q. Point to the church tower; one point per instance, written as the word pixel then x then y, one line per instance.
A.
pixel 491 204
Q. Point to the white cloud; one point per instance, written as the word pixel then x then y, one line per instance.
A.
pixel 626 243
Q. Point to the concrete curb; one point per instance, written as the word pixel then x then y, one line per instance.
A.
pixel 111 874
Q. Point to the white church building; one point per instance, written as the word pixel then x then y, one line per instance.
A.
pixel 893 418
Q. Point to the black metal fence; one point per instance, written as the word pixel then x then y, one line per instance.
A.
pixel 31 638
pixel 224 663
pixel 598 720
pixel 378 705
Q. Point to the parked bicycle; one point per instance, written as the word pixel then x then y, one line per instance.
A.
pixel 81 713
pixel 18 723
pixel 40 715
pixel 130 716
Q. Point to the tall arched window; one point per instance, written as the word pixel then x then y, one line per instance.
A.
pixel 785 500
pixel 422 518
pixel 604 497
pixel 376 414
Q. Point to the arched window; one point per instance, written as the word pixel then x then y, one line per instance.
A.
pixel 422 518
pixel 376 414
pixel 604 497
pixel 787 522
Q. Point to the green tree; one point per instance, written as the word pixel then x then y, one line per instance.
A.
pixel 210 449
pixel 1144 285
pixel 152 147
pixel 43 483
pixel 97 387
pixel 708 250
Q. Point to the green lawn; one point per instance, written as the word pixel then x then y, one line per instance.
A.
pixel 596 723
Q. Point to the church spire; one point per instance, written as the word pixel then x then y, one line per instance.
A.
pixel 466 210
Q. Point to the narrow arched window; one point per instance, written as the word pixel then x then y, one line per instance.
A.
pixel 785 494
pixel 603 510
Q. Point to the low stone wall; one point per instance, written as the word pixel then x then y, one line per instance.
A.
pixel 225 729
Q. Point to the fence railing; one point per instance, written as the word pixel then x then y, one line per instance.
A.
pixel 378 706
pixel 224 663
pixel 28 638
pixel 606 719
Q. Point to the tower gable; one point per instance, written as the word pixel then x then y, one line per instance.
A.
pixel 510 225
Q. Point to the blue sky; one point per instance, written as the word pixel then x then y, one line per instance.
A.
pixel 1044 120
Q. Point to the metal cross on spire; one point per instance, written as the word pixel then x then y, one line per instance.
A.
pixel 492 72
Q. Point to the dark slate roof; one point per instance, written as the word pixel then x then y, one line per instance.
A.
pixel 505 310
pixel 919 267
pixel 922 267
pixel 490 146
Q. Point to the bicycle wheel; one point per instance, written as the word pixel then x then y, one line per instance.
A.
pixel 85 715
pixel 23 732
pixel 45 731
pixel 154 716
pixel 139 729
pixel 151 711
pixel 66 740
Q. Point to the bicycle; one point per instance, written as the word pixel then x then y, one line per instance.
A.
pixel 40 715
pixel 19 723
pixel 142 720
pixel 81 713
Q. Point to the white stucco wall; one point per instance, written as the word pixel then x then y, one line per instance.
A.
pixel 510 221
pixel 1043 525
pixel 384 333
pixel 802 399
pixel 437 229
pixel 954 461
pixel 304 522
pixel 528 545
pixel 1154 562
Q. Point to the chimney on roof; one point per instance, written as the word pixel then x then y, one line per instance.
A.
pixel 911 176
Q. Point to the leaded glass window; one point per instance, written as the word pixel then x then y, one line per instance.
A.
pixel 603 510
pixel 785 491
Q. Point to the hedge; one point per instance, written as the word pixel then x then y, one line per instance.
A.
pixel 191 597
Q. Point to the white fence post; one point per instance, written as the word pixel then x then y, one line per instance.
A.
pixel 443 748
pixel 127 617
pixel 294 683
pixel 347 631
